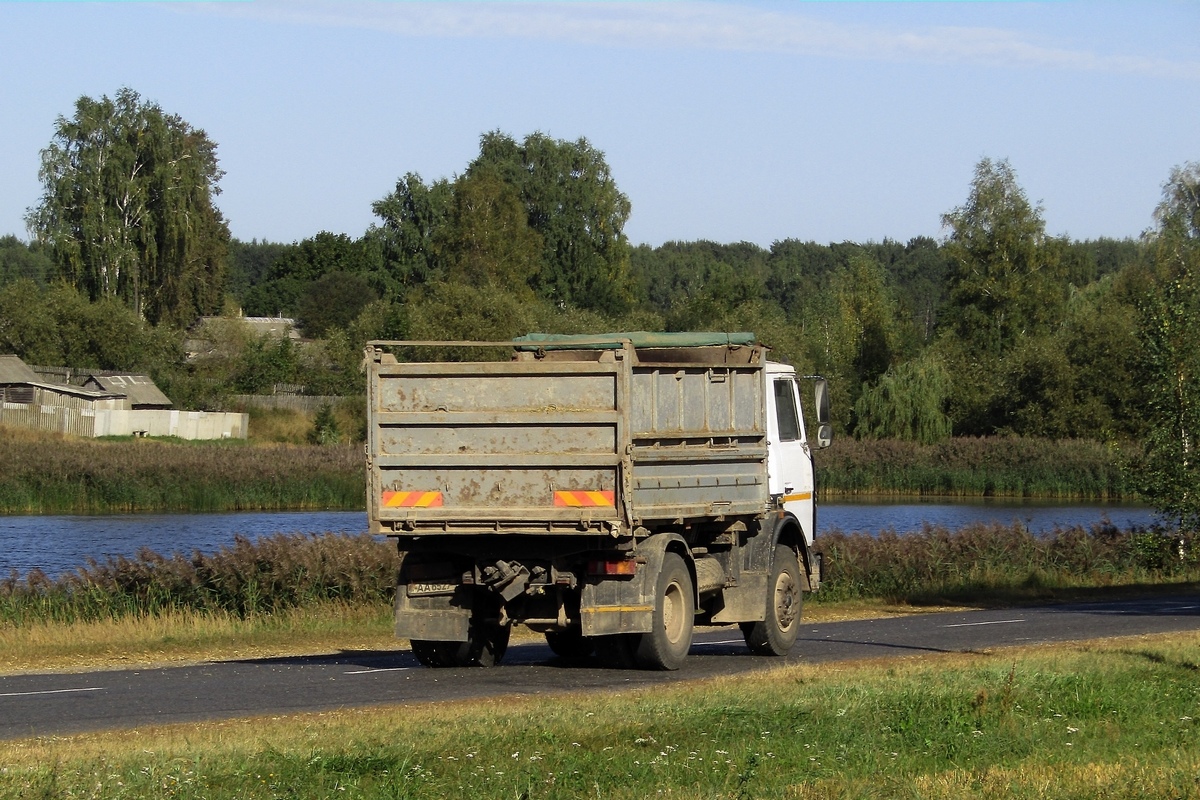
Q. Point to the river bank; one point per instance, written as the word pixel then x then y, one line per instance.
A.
pixel 275 573
pixel 60 543
pixel 49 474
pixel 998 466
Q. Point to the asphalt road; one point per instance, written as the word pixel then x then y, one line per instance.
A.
pixel 34 705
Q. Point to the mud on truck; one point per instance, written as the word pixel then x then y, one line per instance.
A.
pixel 610 492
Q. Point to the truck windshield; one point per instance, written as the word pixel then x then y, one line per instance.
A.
pixel 785 411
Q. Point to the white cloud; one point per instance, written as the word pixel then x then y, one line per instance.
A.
pixel 703 26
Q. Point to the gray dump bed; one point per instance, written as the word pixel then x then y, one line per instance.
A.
pixel 575 435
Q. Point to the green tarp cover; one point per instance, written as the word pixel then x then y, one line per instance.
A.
pixel 640 339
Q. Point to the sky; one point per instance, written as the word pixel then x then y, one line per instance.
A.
pixel 750 121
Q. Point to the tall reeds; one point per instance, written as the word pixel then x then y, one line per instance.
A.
pixel 244 579
pixel 1002 466
pixel 43 475
pixel 1002 562
pixel 280 572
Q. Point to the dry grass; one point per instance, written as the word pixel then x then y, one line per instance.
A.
pixel 190 637
pixel 279 425
pixel 1113 718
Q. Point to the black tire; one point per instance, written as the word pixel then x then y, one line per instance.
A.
pixel 666 645
pixel 776 634
pixel 433 654
pixel 570 644
pixel 615 651
pixel 485 648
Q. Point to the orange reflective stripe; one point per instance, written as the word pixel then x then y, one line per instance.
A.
pixel 412 499
pixel 580 499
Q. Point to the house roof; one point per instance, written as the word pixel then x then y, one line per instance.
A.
pixel 14 370
pixel 140 389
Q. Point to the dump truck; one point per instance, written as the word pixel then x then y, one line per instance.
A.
pixel 610 492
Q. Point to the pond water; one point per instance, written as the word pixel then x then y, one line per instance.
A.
pixel 1037 516
pixel 58 544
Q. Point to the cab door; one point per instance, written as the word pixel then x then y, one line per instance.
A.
pixel 789 458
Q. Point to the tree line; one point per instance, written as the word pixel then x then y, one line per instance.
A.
pixel 997 327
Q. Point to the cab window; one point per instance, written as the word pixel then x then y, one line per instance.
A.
pixel 785 411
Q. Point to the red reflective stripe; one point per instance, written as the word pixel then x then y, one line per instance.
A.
pixel 412 499
pixel 584 498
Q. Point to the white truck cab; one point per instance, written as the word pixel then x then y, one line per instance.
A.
pixel 790 474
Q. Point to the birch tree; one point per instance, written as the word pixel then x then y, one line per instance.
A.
pixel 127 208
pixel 1171 343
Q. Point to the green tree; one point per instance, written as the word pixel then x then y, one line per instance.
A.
pixel 249 264
pixel 411 219
pixel 295 270
pixel 325 430
pixel 1170 469
pixel 265 362
pixel 487 238
pixel 694 280
pixel 856 333
pixel 573 203
pixel 1000 284
pixel 19 260
pixel 127 208
pixel 333 301
pixel 57 326
pixel 907 402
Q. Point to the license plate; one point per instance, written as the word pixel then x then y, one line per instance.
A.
pixel 430 588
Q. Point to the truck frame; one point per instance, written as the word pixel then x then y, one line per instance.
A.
pixel 610 492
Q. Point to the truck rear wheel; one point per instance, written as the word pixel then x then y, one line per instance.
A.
pixel 570 644
pixel 485 648
pixel 616 650
pixel 670 637
pixel 776 634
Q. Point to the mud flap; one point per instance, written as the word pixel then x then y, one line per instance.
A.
pixel 744 602
pixel 434 618
pixel 625 604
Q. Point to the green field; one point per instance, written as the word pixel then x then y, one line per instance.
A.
pixel 1115 718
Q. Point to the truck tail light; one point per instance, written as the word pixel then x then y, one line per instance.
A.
pixel 615 566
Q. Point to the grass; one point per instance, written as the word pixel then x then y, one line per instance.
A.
pixel 1116 718
pixel 181 637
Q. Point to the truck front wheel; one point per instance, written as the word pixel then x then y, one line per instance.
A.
pixel 776 634
pixel 670 637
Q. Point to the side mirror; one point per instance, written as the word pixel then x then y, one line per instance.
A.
pixel 821 395
pixel 821 406
pixel 824 435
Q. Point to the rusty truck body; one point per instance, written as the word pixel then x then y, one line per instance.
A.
pixel 610 492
